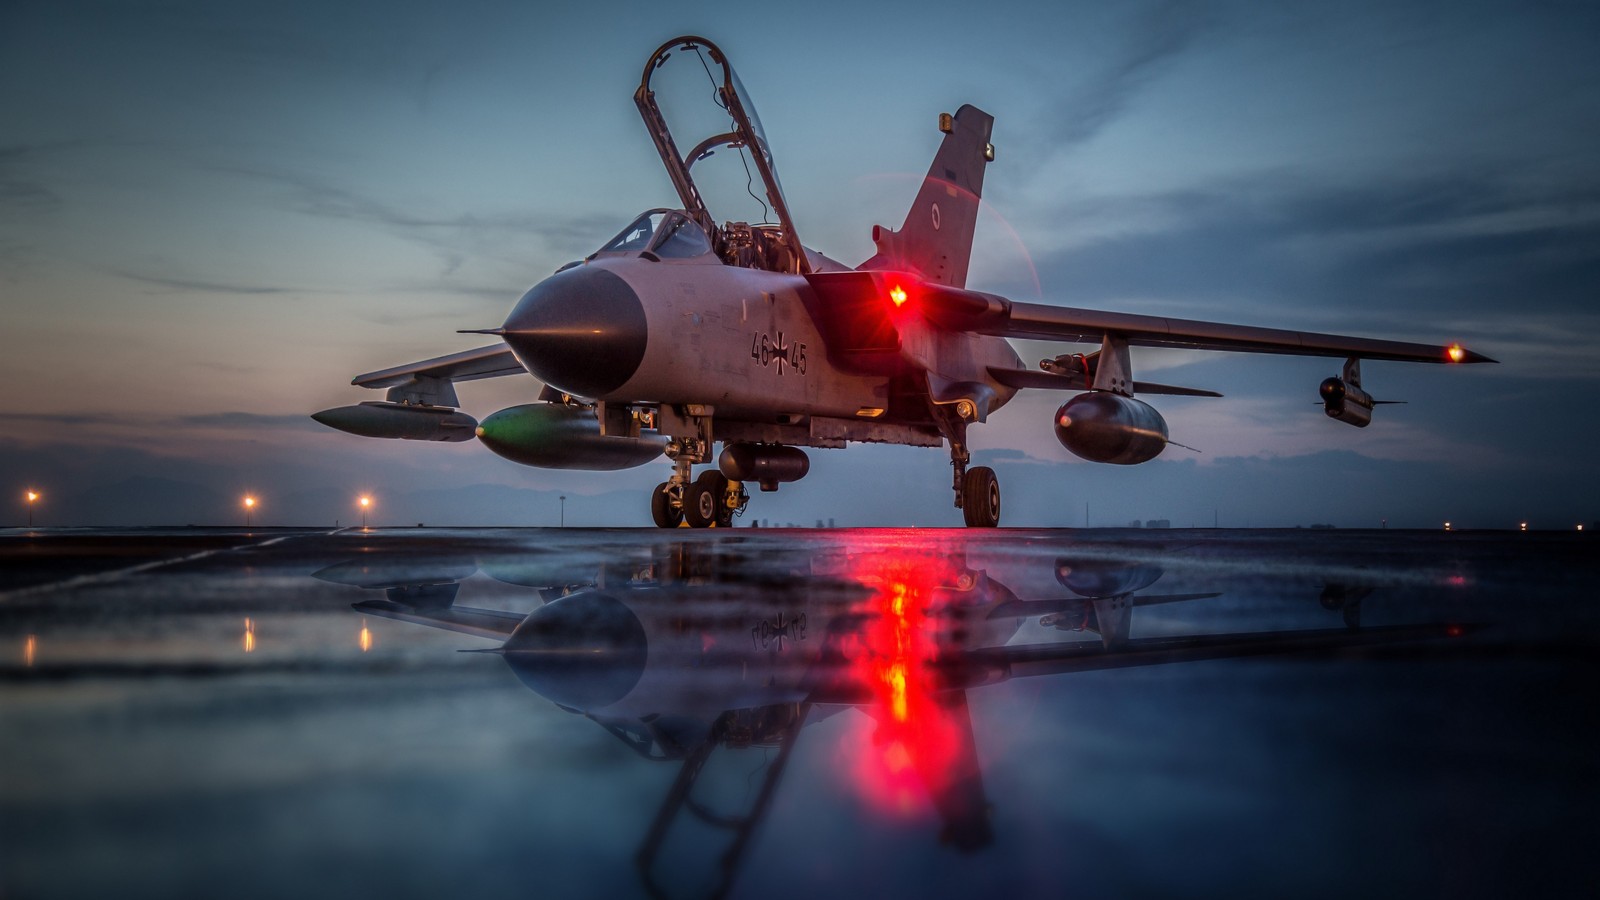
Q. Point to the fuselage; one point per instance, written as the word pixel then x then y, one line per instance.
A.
pixel 635 329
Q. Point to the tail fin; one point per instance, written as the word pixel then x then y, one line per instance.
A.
pixel 936 239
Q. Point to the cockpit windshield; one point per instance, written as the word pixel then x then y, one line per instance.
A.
pixel 728 127
pixel 667 233
pixel 680 238
pixel 637 235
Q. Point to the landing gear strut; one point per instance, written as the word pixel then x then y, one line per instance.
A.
pixel 977 489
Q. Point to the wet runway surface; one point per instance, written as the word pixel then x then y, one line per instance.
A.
pixel 766 713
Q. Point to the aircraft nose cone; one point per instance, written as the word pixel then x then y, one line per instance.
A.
pixel 582 331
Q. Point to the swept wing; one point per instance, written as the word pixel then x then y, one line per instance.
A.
pixel 468 365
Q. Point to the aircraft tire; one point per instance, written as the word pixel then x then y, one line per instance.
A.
pixel 980 498
pixel 703 500
pixel 661 509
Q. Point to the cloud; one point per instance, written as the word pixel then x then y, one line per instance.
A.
pixel 1419 253
pixel 210 287
pixel 18 194
pixel 21 191
pixel 1158 36
pixel 251 420
pixel 455 236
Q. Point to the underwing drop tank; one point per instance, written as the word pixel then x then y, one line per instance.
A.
pixel 558 436
pixel 400 421
pixel 1109 428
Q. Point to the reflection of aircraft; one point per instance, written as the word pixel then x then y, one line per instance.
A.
pixel 681 332
pixel 704 650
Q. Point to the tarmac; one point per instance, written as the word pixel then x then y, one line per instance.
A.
pixel 796 712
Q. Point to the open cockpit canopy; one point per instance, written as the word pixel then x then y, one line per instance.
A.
pixel 727 121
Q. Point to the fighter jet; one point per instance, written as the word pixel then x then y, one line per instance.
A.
pixel 686 331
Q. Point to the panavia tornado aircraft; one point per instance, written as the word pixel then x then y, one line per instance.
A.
pixel 684 331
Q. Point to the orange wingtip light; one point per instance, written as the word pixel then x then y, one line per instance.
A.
pixel 898 295
pixel 1455 353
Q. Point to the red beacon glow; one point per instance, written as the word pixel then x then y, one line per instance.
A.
pixel 1455 353
pixel 898 295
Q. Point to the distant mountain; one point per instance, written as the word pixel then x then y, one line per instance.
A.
pixel 471 505
pixel 144 500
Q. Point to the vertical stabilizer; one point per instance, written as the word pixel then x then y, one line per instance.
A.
pixel 936 239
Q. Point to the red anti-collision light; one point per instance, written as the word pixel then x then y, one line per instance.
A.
pixel 1455 353
pixel 898 295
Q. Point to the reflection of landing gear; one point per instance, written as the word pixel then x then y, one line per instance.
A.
pixel 980 497
pixel 666 505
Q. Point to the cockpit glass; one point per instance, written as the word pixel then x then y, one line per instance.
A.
pixel 636 236
pixel 680 238
pixel 755 125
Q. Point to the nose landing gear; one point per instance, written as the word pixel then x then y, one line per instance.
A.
pixel 710 500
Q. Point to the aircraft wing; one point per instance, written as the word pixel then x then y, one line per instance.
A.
pixel 1089 326
pixel 1083 656
pixel 468 365
pixel 484 623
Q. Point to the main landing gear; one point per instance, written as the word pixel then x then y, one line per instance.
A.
pixel 978 493
pixel 708 500
pixel 977 489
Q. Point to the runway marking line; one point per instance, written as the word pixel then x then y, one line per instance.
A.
pixel 119 574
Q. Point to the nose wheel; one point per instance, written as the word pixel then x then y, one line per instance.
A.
pixel 666 509
pixel 709 500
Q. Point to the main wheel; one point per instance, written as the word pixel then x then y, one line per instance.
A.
pixel 703 501
pixel 662 510
pixel 980 498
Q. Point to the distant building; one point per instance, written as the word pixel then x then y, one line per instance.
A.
pixel 1158 523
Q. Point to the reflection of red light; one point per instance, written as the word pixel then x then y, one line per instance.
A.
pixel 1456 581
pixel 914 745
pixel 1455 631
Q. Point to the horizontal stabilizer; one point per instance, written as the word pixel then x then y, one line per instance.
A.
pixel 1048 381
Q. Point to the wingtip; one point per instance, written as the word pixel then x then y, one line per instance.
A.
pixel 1455 353
pixel 497 332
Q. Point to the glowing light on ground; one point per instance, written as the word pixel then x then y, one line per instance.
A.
pixel 30 648
pixel 249 635
pixel 365 638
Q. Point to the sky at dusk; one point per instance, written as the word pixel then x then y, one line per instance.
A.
pixel 213 215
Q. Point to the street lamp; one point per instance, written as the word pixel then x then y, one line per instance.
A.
pixel 366 503
pixel 33 497
pixel 249 507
